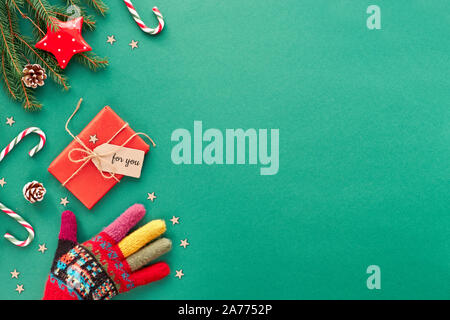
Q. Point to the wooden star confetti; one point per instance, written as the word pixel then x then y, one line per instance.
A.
pixel 175 220
pixel 93 139
pixel 10 121
pixel 151 196
pixel 42 248
pixel 20 289
pixel 64 201
pixel 2 182
pixel 133 44
pixel 179 273
pixel 111 40
pixel 184 243
pixel 14 274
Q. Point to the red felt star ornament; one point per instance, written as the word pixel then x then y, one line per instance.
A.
pixel 65 42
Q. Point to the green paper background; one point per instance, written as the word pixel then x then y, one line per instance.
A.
pixel 364 148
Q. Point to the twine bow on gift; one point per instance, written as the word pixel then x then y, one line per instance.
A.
pixel 91 155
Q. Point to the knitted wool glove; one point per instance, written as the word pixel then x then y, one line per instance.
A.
pixel 108 264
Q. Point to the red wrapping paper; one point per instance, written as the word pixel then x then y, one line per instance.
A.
pixel 88 185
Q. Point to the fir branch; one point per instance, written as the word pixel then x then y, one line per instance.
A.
pixel 30 103
pixel 92 61
pixel 73 3
pixel 8 86
pixel 78 4
pixel 14 4
pixel 98 5
pixel 88 20
pixel 16 7
pixel 40 8
pixel 8 42
pixel 16 49
pixel 11 23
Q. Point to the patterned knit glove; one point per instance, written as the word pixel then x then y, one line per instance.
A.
pixel 108 264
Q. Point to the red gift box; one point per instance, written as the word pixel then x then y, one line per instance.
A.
pixel 88 185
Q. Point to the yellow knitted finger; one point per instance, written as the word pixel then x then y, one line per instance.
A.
pixel 139 238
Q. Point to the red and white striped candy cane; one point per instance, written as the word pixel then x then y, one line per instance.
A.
pixel 4 208
pixel 23 223
pixel 141 24
pixel 22 135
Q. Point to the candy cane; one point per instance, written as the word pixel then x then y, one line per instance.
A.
pixel 141 24
pixel 22 135
pixel 5 209
pixel 23 223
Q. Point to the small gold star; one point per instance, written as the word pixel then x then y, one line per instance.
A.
pixel 175 220
pixel 179 273
pixel 15 274
pixel 111 39
pixel 42 248
pixel 10 121
pixel 2 182
pixel 133 44
pixel 93 139
pixel 64 201
pixel 20 289
pixel 151 196
pixel 184 243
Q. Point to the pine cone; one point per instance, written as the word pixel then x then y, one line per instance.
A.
pixel 34 191
pixel 33 75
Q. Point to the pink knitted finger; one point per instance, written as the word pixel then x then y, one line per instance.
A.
pixel 127 220
pixel 68 229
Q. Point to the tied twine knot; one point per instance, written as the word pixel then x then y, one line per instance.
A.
pixel 91 155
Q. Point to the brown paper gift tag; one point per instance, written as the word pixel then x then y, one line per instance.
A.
pixel 119 160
